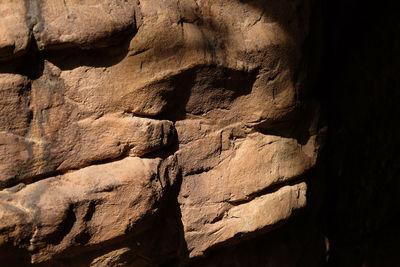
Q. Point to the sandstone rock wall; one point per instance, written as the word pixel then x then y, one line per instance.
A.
pixel 142 133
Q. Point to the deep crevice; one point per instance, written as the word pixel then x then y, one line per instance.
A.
pixel 63 228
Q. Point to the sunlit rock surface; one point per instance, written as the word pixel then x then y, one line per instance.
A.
pixel 141 133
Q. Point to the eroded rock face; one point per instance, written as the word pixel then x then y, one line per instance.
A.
pixel 14 31
pixel 130 113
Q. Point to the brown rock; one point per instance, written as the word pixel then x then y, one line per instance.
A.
pixel 15 114
pixel 14 32
pixel 217 225
pixel 191 113
pixel 215 189
pixel 82 24
pixel 64 135
pixel 91 206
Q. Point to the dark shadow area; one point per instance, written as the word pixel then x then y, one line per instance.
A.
pixel 14 257
pixel 167 151
pixel 63 228
pixel 31 64
pixel 361 90
pixel 194 92
pixel 177 98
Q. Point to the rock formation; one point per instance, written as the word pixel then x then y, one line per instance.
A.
pixel 142 133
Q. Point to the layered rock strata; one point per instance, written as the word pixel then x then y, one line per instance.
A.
pixel 118 115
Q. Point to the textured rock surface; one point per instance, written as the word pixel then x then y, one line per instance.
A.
pixel 126 118
pixel 82 24
pixel 82 208
pixel 14 31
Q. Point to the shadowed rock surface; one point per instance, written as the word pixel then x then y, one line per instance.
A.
pixel 177 133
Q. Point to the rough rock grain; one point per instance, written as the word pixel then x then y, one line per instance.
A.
pixel 14 32
pixel 82 24
pixel 82 208
pixel 128 117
